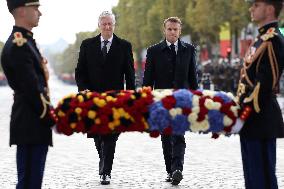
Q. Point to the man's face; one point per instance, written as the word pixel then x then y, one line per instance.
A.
pixel 32 15
pixel 258 12
pixel 106 27
pixel 172 31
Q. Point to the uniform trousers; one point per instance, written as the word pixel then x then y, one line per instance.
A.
pixel 30 165
pixel 259 163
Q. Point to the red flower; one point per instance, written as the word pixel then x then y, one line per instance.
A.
pixel 228 129
pixel 202 114
pixel 169 102
pixel 199 93
pixel 186 111
pixel 154 134
pixel 215 135
pixel 168 131
pixel 80 127
pixel 218 99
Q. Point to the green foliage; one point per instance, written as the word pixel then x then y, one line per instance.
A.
pixel 131 18
pixel 66 62
pixel 141 23
pixel 207 17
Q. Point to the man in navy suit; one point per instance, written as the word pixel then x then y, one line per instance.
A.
pixel 24 68
pixel 262 68
pixel 105 63
pixel 171 64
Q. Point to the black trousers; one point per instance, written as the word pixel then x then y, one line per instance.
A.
pixel 105 145
pixel 30 165
pixel 173 150
pixel 259 163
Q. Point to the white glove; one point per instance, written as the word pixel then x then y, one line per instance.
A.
pixel 237 127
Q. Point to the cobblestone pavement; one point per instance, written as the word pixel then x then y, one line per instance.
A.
pixel 73 161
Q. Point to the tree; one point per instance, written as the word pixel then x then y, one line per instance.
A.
pixel 207 17
pixel 160 10
pixel 131 18
pixel 66 62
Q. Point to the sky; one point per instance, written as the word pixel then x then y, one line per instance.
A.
pixel 60 19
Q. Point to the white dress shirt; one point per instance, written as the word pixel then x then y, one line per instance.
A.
pixel 175 43
pixel 108 44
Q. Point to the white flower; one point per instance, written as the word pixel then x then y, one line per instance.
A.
pixel 230 95
pixel 194 127
pixel 175 111
pixel 211 105
pixel 209 93
pixel 196 109
pixel 199 126
pixel 235 109
pixel 227 121
pixel 204 125
pixel 192 117
pixel 159 94
pixel 195 100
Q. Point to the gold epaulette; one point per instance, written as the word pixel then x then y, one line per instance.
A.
pixel 270 33
pixel 45 104
pixel 254 97
pixel 19 40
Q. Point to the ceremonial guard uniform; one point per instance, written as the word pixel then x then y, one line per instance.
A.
pixel 30 118
pixel 262 68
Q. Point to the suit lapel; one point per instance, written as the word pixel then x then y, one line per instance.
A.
pixel 96 53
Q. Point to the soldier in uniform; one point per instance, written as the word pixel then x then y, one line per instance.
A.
pixel 259 78
pixel 27 75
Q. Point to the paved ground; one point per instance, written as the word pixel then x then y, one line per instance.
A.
pixel 73 161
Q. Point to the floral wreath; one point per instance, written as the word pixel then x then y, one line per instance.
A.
pixel 157 112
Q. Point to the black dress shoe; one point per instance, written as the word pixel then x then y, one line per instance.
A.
pixel 169 178
pixel 176 177
pixel 105 179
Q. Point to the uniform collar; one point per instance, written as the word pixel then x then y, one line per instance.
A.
pixel 26 33
pixel 262 30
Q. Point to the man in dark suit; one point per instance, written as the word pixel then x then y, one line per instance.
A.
pixel 262 68
pixel 171 64
pixel 104 63
pixel 30 119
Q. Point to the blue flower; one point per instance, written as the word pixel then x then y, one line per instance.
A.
pixel 183 98
pixel 215 119
pixel 180 125
pixel 159 117
pixel 224 97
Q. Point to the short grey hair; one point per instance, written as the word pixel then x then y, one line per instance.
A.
pixel 105 14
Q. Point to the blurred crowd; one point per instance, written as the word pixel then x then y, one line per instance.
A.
pixel 222 74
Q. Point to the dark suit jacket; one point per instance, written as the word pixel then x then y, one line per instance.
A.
pixel 160 73
pixel 22 67
pixel 268 123
pixel 96 74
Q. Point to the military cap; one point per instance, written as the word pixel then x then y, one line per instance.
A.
pixel 12 4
